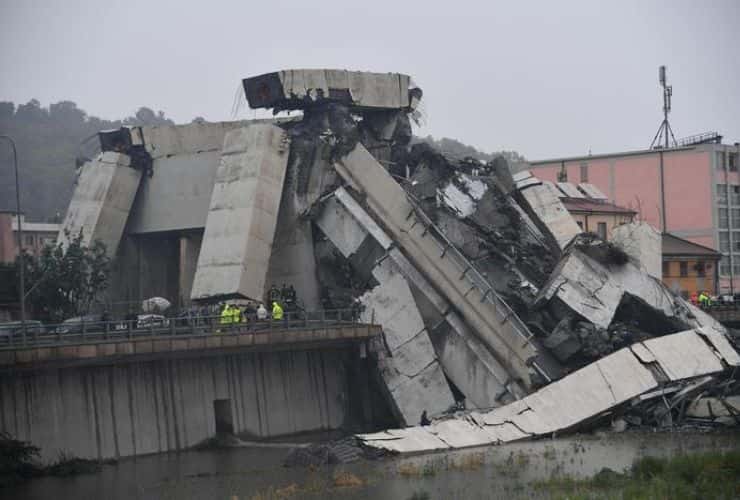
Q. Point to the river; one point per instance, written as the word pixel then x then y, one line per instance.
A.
pixel 506 471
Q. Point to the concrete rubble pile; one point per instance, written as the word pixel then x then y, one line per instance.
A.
pixel 488 293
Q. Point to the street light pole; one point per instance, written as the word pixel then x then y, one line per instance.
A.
pixel 20 234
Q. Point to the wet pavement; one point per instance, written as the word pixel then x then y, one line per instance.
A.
pixel 507 471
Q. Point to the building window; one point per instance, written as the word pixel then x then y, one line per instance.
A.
pixel 584 172
pixel 722 194
pixel 29 240
pixel 736 268
pixel 724 266
pixel 666 268
pixel 720 160
pixel 601 230
pixel 732 162
pixel 724 242
pixel 684 269
pixel 735 212
pixel 735 195
pixel 723 218
pixel 700 270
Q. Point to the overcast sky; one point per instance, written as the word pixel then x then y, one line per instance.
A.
pixel 547 79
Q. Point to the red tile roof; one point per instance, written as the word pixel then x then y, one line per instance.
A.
pixel 594 206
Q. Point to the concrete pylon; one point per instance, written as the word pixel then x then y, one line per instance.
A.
pixel 243 215
pixel 103 197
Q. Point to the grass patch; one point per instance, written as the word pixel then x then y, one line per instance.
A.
pixel 706 475
pixel 410 469
pixel 469 462
pixel 346 480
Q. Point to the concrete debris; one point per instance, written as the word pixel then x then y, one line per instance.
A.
pixel 486 288
pixel 439 260
pixel 547 210
pixel 301 88
pixel 605 388
pixel 643 244
pixel 721 410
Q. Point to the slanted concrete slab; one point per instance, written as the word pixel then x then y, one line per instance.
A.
pixel 585 286
pixel 410 369
pixel 100 205
pixel 464 358
pixel 548 212
pixel 591 391
pixel 453 276
pixel 643 243
pixel 243 214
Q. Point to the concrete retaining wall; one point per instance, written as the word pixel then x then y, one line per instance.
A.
pixel 164 405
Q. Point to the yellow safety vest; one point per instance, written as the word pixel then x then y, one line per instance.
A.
pixel 226 317
pixel 277 311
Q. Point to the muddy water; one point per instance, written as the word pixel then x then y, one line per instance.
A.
pixel 507 471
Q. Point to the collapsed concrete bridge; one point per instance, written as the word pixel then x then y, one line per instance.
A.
pixel 484 286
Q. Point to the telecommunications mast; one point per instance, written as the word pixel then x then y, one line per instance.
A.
pixel 664 131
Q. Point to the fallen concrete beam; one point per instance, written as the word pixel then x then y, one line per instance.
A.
pixel 598 388
pixel 449 272
pixel 409 368
pixel 546 209
pixel 243 214
pixel 301 88
pixel 106 188
pixel 466 360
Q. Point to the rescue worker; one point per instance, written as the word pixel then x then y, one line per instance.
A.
pixel 225 318
pixel 277 311
pixel 261 313
pixel 704 300
pixel 236 314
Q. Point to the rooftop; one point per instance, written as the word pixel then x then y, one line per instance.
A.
pixel 637 152
pixel 673 245
pixel 594 206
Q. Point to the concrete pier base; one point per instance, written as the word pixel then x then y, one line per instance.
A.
pixel 130 409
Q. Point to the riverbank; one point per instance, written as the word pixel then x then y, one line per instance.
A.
pixel 19 462
pixel 519 470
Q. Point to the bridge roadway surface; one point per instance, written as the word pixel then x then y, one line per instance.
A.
pixel 114 342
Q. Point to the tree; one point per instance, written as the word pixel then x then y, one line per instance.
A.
pixel 65 283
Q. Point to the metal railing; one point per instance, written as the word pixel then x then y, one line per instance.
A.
pixel 70 333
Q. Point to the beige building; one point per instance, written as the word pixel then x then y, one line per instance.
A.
pixel 35 236
pixel 598 216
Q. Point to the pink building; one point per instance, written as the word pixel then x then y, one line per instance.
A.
pixel 692 192
pixel 36 235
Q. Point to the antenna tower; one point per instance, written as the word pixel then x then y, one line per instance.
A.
pixel 664 131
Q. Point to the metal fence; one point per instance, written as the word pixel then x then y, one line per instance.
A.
pixel 34 333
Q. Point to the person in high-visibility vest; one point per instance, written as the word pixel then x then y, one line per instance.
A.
pixel 236 314
pixel 277 311
pixel 226 315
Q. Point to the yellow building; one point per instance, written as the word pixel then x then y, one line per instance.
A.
pixel 689 268
pixel 598 216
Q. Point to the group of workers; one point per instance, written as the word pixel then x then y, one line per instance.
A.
pixel 702 299
pixel 232 313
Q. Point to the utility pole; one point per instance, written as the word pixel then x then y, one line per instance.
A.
pixel 22 266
